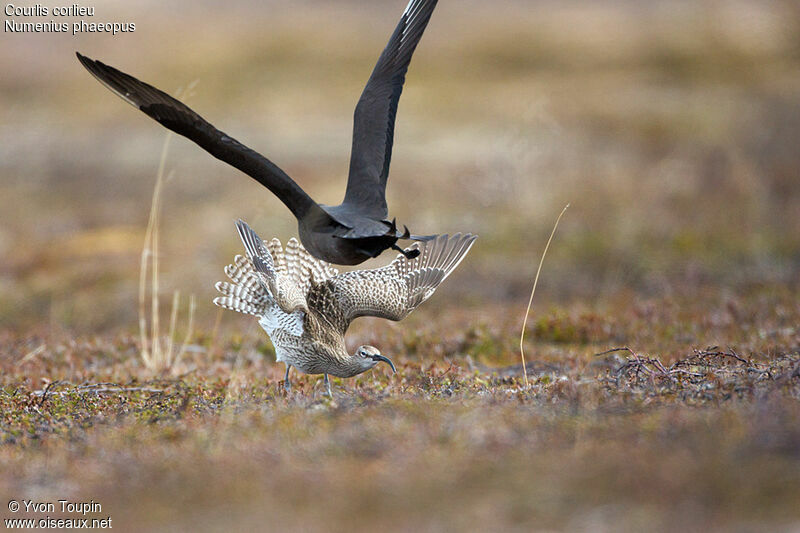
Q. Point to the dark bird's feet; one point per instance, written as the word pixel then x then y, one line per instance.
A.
pixel 409 254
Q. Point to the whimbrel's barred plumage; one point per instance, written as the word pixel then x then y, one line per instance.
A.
pixel 305 305
pixel 345 234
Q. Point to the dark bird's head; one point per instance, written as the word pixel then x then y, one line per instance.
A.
pixel 369 356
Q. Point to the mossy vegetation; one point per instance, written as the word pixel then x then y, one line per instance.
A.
pixel 645 430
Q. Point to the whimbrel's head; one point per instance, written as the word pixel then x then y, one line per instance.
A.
pixel 369 356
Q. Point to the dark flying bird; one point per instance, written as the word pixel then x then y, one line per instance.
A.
pixel 345 234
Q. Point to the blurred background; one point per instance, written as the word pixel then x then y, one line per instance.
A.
pixel 671 127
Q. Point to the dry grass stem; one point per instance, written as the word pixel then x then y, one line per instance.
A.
pixel 156 356
pixel 33 353
pixel 533 291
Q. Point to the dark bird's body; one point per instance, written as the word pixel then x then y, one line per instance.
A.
pixel 345 234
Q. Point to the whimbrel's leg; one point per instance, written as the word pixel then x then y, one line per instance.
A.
pixel 286 384
pixel 328 386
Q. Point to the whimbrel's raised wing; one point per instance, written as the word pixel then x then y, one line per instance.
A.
pixel 287 273
pixel 392 291
pixel 179 118
pixel 246 294
pixel 373 128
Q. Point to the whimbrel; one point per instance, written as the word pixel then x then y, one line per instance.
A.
pixel 305 305
pixel 344 234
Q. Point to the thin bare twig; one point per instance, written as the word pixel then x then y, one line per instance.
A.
pixel 46 390
pixel 713 351
pixel 654 368
pixel 97 390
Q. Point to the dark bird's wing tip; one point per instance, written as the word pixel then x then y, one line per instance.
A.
pixel 85 61
pixel 90 64
pixel 123 85
pixel 376 111
pixel 178 117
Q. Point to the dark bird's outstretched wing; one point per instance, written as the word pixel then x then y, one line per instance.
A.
pixel 179 118
pixel 373 129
